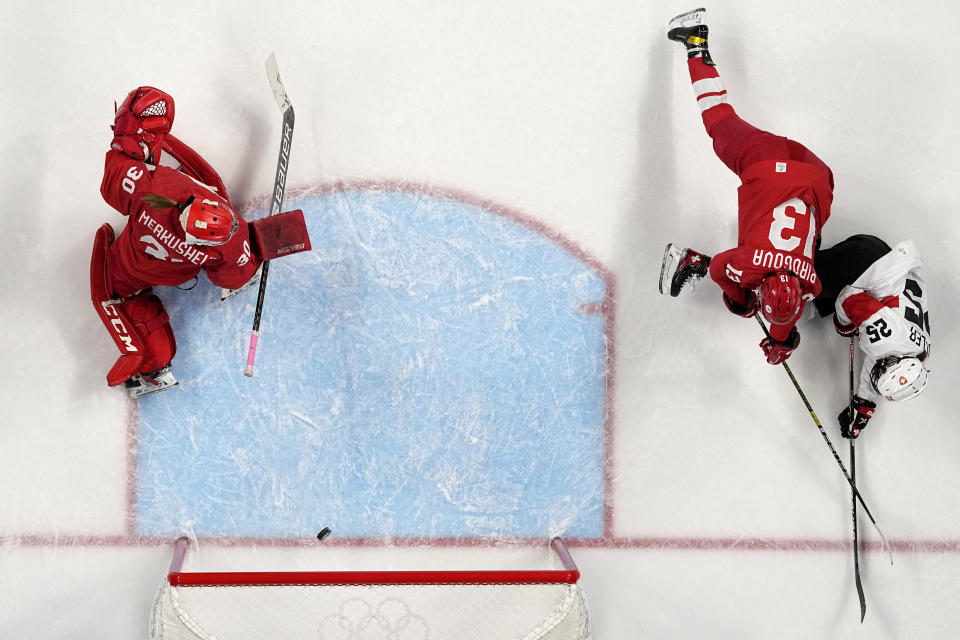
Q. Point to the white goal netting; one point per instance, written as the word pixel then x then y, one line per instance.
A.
pixel 454 605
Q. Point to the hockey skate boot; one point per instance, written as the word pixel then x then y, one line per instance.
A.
pixel 144 384
pixel 679 266
pixel 689 29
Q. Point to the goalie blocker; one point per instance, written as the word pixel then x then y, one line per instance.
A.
pixel 273 237
pixel 280 235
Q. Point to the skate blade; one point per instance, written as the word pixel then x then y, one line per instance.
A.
pixel 139 392
pixel 687 19
pixel 671 258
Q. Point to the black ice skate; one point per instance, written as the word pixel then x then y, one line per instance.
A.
pixel 688 28
pixel 679 266
pixel 144 384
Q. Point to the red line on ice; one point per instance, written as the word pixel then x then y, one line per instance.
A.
pixel 608 540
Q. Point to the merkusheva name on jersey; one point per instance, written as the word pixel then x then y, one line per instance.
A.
pixel 170 239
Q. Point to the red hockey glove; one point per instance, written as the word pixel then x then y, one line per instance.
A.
pixel 777 352
pixel 846 330
pixel 854 418
pixel 141 121
pixel 745 309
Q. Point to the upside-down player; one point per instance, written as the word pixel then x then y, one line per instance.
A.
pixel 879 294
pixel 784 199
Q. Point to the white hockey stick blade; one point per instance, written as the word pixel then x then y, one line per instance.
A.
pixel 273 75
pixel 226 294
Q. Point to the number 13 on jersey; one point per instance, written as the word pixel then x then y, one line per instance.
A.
pixel 784 228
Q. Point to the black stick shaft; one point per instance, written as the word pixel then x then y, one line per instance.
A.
pixel 826 439
pixel 853 498
pixel 279 186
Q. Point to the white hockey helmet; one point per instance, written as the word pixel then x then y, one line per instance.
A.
pixel 899 378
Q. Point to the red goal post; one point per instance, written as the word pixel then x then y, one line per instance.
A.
pixel 538 604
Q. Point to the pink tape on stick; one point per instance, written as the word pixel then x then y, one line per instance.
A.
pixel 251 354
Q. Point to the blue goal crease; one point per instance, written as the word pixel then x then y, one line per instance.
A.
pixel 426 371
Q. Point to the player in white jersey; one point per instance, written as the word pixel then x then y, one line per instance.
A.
pixel 880 296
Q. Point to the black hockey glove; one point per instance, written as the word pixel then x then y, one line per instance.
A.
pixel 854 418
pixel 746 309
pixel 846 330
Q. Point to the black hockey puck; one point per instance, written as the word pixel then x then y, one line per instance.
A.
pixel 323 533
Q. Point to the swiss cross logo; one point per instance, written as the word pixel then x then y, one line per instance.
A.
pixel 903 381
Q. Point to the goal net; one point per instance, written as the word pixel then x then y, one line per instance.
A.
pixel 372 605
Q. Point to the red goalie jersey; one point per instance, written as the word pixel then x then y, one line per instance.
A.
pixel 153 247
pixel 179 222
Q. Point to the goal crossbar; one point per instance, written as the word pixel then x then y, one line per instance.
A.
pixel 177 578
pixel 416 605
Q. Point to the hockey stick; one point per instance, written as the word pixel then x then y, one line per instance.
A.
pixel 853 476
pixel 826 439
pixel 279 184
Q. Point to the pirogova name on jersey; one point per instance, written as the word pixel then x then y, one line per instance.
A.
pixel 777 260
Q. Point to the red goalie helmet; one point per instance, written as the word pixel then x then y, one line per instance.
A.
pixel 780 298
pixel 141 121
pixel 208 222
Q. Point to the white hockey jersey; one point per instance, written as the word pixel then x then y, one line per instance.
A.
pixel 888 303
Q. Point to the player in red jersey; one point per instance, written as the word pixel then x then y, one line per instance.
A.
pixel 180 221
pixel 784 199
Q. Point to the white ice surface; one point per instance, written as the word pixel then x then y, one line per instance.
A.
pixel 581 116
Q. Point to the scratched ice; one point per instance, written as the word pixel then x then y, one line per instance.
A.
pixel 422 372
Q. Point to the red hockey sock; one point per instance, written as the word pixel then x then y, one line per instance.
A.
pixel 710 92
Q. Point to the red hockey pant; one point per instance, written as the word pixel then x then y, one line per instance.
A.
pixel 736 142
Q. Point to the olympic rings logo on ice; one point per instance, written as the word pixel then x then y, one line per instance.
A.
pixel 356 619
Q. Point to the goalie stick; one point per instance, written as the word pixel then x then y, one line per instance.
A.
pixel 816 420
pixel 279 184
pixel 853 497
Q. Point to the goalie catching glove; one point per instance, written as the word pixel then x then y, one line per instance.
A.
pixel 141 122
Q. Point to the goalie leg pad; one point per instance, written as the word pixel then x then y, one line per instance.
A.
pixel 152 324
pixel 123 369
pixel 109 309
pixel 139 326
